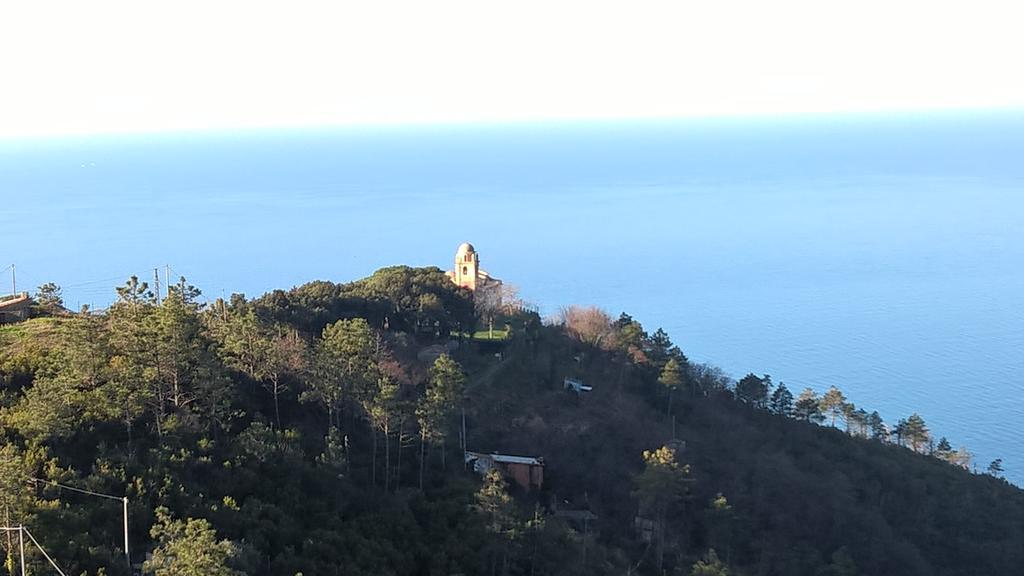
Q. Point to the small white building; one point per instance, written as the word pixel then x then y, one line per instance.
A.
pixel 576 386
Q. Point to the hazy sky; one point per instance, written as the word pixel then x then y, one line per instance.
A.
pixel 97 66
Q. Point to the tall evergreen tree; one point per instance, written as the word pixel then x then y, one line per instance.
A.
pixel 494 502
pixel 995 468
pixel 781 402
pixel 808 406
pixel 710 565
pixel 660 488
pixel 443 395
pixel 877 427
pixel 833 403
pixel 344 367
pixel 916 432
pixel 189 548
pixel 753 390
pixel 671 378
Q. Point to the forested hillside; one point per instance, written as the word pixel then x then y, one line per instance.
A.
pixel 320 431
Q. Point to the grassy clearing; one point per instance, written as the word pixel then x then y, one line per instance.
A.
pixel 36 329
pixel 499 334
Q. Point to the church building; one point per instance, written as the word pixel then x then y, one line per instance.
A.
pixel 467 272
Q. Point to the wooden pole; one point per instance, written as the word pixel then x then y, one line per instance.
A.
pixel 156 281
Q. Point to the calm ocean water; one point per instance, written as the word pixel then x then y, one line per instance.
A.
pixel 883 255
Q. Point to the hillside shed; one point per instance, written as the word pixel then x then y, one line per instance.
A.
pixel 576 385
pixel 15 308
pixel 526 471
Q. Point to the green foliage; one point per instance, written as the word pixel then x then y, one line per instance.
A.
pixel 781 402
pixel 188 548
pixel 710 565
pixel 753 390
pixel 995 468
pixel 344 366
pixel 398 298
pixel 49 298
pixel 660 488
pixel 916 433
pixel 808 407
pixel 212 422
pixel 833 404
pixel 671 376
pixel 444 392
pixel 496 505
pixel 662 484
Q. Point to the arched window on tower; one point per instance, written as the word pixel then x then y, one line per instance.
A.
pixel 465 270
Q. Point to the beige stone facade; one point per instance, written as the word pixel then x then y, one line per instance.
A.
pixel 467 272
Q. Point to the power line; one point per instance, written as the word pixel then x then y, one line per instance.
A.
pixel 92 282
pixel 122 499
pixel 73 489
pixel 52 563
pixel 22 530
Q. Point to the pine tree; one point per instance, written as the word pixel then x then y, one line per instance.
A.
pixel 781 402
pixel 916 432
pixel 808 406
pixel 710 565
pixel 494 502
pixel 753 390
pixel 671 378
pixel 877 426
pixel 49 297
pixel 833 403
pixel 660 487
pixel 188 548
pixel 443 395
pixel 995 468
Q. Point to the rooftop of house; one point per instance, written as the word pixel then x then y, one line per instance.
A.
pixel 505 458
pixel 14 300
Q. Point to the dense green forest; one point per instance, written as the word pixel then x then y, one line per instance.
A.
pixel 320 431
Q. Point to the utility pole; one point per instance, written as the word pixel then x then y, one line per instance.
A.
pixel 21 548
pixel 463 438
pixel 156 281
pixel 122 499
pixel 14 282
pixel 127 556
pixel 167 280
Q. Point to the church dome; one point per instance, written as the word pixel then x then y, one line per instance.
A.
pixel 466 248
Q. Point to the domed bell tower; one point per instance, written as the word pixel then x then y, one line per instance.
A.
pixel 467 266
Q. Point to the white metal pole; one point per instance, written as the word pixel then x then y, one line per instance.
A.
pixel 21 547
pixel 127 556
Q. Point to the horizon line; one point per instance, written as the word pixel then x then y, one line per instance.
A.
pixel 511 122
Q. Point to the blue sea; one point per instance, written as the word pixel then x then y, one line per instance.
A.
pixel 881 254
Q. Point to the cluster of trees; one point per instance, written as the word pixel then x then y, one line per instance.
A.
pixel 595 327
pixel 306 431
pixel 770 490
pixel 397 299
pixel 833 408
pixel 264 421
